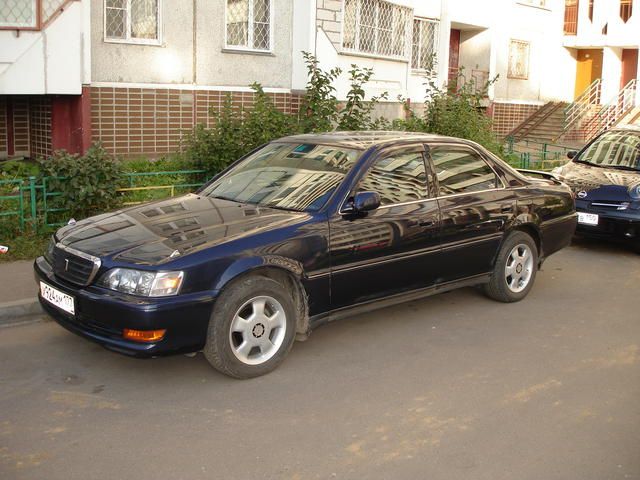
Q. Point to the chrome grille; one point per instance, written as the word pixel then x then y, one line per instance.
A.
pixel 73 266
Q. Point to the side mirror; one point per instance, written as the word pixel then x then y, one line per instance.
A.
pixel 363 202
pixel 571 154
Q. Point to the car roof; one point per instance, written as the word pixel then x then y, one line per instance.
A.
pixel 629 128
pixel 367 139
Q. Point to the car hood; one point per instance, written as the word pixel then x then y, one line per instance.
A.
pixel 157 232
pixel 581 177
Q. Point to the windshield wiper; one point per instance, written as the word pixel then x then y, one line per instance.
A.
pixel 584 162
pixel 623 167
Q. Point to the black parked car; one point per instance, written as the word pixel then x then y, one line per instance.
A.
pixel 605 177
pixel 303 230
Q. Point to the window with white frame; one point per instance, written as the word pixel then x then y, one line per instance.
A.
pixel 376 27
pixel 135 21
pixel 518 60
pixel 248 24
pixel 424 48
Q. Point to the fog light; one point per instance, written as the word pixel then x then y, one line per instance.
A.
pixel 146 336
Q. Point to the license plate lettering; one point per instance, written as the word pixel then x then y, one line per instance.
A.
pixel 57 298
pixel 588 218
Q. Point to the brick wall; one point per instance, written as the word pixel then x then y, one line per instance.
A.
pixel 329 18
pixel 21 125
pixel 136 121
pixel 3 127
pixel 40 127
pixel 507 116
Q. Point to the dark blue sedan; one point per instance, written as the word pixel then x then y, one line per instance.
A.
pixel 303 230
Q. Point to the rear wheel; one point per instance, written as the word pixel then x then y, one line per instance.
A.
pixel 515 269
pixel 252 328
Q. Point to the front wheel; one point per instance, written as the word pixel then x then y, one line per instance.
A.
pixel 515 269
pixel 252 328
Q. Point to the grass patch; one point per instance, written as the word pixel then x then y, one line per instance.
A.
pixel 23 246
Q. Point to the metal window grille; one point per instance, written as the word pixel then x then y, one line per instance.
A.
pixel 571 17
pixel 49 7
pixel 248 24
pixel 626 9
pixel 424 51
pixel 18 13
pixel 518 59
pixel 132 20
pixel 376 27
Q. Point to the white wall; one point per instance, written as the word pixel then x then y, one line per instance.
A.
pixel 51 61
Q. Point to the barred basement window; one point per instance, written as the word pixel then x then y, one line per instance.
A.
pixel 376 27
pixel 132 21
pixel 424 49
pixel 518 60
pixel 248 24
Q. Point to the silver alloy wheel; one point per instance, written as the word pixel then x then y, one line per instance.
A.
pixel 519 268
pixel 258 330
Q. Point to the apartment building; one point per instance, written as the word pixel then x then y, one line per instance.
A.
pixel 137 74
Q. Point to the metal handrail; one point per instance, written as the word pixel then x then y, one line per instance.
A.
pixel 583 104
pixel 613 111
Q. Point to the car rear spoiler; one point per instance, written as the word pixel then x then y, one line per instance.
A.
pixel 539 174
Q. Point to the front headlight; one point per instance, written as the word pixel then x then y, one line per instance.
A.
pixel 137 282
pixel 634 191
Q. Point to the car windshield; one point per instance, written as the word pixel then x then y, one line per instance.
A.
pixel 616 149
pixel 290 176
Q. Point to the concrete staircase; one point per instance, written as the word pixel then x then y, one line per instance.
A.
pixel 544 125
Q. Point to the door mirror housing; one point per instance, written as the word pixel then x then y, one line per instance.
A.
pixel 571 154
pixel 363 202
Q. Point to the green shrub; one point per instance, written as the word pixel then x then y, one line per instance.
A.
pixel 319 111
pixel 237 132
pixel 17 169
pixel 88 183
pixel 357 112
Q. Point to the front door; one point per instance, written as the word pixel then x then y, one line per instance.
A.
pixel 588 69
pixel 474 207
pixel 394 248
pixel 629 66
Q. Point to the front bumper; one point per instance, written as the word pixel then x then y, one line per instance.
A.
pixel 102 315
pixel 622 224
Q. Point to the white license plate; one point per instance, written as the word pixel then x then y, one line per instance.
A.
pixel 587 218
pixel 59 299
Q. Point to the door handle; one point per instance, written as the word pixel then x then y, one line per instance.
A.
pixel 426 223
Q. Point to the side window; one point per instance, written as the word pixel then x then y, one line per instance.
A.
pixel 398 178
pixel 460 171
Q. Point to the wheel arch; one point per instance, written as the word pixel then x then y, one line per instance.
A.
pixel 284 270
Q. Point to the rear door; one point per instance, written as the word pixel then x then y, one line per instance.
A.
pixel 475 209
pixel 394 248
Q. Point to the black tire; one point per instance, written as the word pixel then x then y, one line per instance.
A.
pixel 498 287
pixel 218 349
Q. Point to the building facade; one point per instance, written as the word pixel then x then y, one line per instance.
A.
pixel 137 74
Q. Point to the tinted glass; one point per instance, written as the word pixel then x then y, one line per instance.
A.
pixel 461 171
pixel 397 179
pixel 614 149
pixel 298 177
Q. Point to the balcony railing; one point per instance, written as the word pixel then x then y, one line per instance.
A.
pixel 571 17
pixel 30 14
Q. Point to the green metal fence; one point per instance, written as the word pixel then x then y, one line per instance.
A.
pixel 33 201
pixel 535 154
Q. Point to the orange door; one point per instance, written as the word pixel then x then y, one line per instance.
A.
pixel 629 65
pixel 589 68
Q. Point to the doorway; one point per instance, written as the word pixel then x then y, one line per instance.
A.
pixel 629 65
pixel 589 68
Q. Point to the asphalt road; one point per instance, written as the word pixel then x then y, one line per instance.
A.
pixel 450 387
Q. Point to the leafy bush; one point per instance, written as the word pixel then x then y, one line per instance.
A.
pixel 17 169
pixel 357 112
pixel 88 183
pixel 237 132
pixel 320 105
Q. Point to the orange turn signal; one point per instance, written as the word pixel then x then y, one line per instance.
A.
pixel 143 335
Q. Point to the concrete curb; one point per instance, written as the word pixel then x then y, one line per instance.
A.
pixel 19 311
